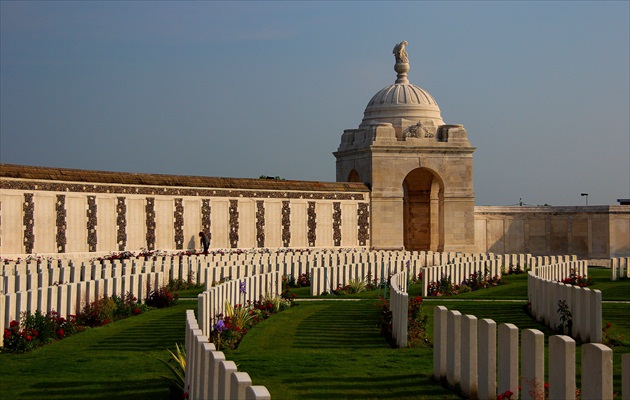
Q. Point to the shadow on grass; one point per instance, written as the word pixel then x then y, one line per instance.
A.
pixel 406 386
pixel 101 389
pixel 346 326
pixel 155 333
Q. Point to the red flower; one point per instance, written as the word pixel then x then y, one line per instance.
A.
pixel 546 385
pixel 14 323
pixel 136 311
pixel 7 333
pixel 106 321
pixel 60 333
pixel 29 338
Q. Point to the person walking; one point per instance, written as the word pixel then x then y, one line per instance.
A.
pixel 205 242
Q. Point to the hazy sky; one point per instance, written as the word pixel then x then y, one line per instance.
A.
pixel 243 89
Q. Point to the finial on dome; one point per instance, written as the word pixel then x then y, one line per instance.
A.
pixel 402 62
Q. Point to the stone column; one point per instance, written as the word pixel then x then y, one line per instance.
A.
pixel 532 364
pixel 508 359
pixel 561 367
pixel 597 372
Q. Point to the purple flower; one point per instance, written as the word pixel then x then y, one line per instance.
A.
pixel 242 287
pixel 219 326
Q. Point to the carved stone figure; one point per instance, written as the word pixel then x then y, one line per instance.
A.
pixel 400 53
pixel 419 130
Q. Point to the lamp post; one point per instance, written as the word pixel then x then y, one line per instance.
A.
pixel 585 195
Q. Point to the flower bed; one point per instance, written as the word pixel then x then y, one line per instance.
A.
pixel 416 323
pixel 229 329
pixel 577 280
pixel 476 281
pixel 38 329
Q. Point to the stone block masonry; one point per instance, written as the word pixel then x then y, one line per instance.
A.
pixel 129 212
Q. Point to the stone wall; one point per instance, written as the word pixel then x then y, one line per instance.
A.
pixel 586 231
pixel 50 210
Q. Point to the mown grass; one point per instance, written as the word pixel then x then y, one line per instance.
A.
pixel 316 350
pixel 118 360
pixel 334 350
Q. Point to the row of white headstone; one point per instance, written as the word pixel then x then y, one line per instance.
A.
pixel 466 353
pixel 70 298
pixel 620 268
pixel 209 375
pixel 546 296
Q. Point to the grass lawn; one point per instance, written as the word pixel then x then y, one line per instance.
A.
pixel 118 360
pixel 333 350
pixel 316 350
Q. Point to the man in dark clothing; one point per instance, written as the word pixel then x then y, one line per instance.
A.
pixel 205 242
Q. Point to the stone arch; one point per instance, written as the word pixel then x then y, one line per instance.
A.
pixel 354 176
pixel 423 211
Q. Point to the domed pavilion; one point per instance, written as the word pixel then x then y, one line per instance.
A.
pixel 419 169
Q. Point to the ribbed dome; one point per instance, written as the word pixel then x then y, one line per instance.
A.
pixel 401 94
pixel 402 100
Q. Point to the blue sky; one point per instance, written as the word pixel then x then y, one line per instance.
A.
pixel 243 89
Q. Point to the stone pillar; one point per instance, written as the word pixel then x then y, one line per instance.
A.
pixel 440 314
pixel 597 372
pixel 487 359
pixel 508 359
pixel 532 364
pixel 469 356
pixel 561 367
pixel 453 348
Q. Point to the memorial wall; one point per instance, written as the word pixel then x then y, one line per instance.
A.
pixel 53 210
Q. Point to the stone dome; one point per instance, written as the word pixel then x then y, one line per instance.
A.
pixel 402 100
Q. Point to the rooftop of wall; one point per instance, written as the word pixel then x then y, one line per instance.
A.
pixel 531 210
pixel 128 178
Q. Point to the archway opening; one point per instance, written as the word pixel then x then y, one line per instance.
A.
pixel 353 176
pixel 423 211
